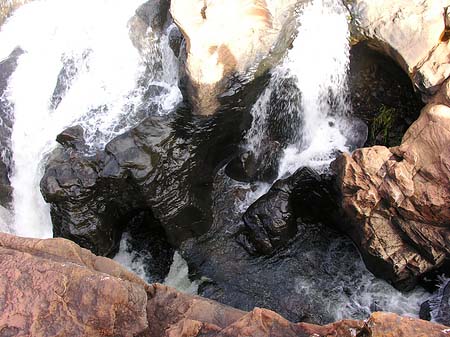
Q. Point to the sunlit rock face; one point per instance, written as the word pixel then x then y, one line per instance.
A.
pixel 225 38
pixel 54 287
pixel 398 198
pixel 412 32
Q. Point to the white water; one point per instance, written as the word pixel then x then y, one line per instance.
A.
pixel 315 72
pixel 178 276
pixel 103 95
pixel 348 289
pixel 317 65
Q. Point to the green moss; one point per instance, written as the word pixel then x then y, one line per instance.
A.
pixel 383 123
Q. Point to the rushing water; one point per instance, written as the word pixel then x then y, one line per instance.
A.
pixel 178 276
pixel 307 100
pixel 310 86
pixel 79 67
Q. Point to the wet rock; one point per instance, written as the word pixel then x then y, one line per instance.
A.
pixel 437 308
pixel 382 95
pixel 70 68
pixel 248 167
pixel 397 200
pixel 165 166
pixel 72 137
pixel 271 221
pixel 410 32
pixel 146 26
pixel 147 240
pixel 7 67
pixel 218 51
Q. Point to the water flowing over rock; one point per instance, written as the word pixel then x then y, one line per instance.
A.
pixel 7 67
pixel 398 199
pixel 54 287
pixel 218 50
pixel 7 7
pixel 437 308
pixel 411 32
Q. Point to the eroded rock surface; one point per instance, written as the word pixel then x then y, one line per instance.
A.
pixel 411 32
pixel 228 38
pixel 56 288
pixel 398 199
pixel 271 221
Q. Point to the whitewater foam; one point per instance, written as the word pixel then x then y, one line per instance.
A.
pixel 104 96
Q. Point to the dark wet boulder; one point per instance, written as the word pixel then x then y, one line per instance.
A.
pixel 437 308
pixel 7 67
pixel 164 166
pixel 271 221
pixel 251 167
pixel 72 137
pixel 147 25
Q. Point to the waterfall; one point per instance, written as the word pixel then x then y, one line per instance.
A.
pixel 310 88
pixel 78 67
pixel 306 107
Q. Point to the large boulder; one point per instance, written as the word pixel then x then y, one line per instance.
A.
pixel 397 199
pixel 226 39
pixel 56 288
pixel 411 32
pixel 164 166
pixel 271 221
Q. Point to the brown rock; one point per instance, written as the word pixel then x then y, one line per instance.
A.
pixel 55 288
pixel 382 324
pixel 398 199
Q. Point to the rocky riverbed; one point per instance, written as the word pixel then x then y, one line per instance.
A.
pixel 307 177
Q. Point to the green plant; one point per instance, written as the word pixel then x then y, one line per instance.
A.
pixel 383 122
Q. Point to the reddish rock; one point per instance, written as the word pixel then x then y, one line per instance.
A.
pixel 382 324
pixel 397 200
pixel 55 288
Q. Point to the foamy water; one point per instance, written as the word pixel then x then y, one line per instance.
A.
pixel 316 102
pixel 103 94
